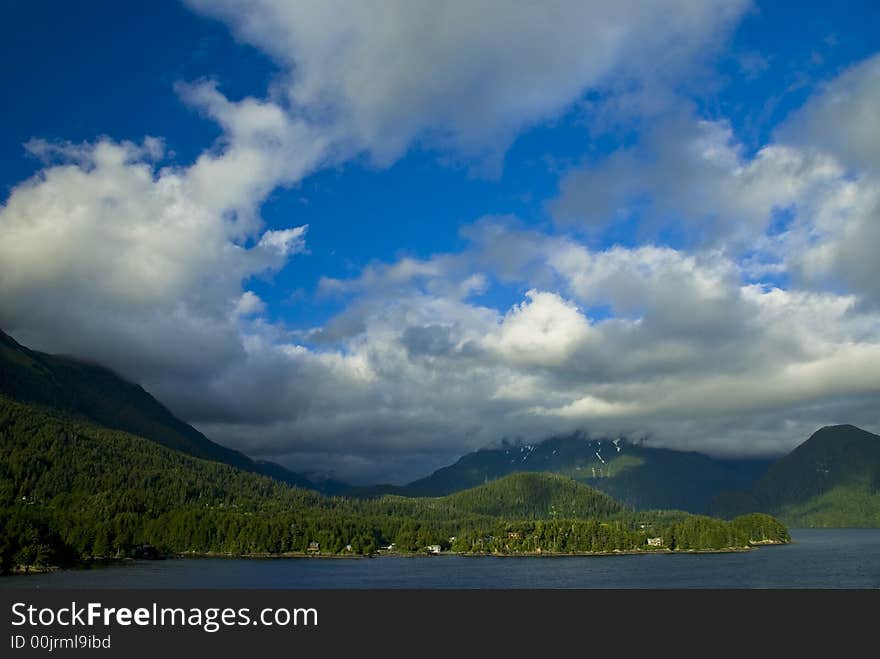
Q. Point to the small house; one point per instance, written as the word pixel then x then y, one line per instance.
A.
pixel 433 549
pixel 314 547
pixel 655 542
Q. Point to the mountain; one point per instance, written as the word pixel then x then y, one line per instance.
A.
pixel 71 490
pixel 95 393
pixel 831 480
pixel 519 496
pixel 536 496
pixel 640 476
pixel 92 466
pixel 637 475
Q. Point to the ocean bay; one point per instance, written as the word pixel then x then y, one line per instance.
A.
pixel 817 558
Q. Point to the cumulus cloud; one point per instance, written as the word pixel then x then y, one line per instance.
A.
pixel 465 75
pixel 109 254
pixel 545 330
pixel 412 373
pixel 692 357
pixel 837 243
pixel 693 174
pixel 808 203
pixel 841 117
pixel 645 340
pixel 249 304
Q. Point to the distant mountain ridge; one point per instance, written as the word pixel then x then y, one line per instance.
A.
pixel 830 480
pixel 536 496
pixel 72 491
pixel 641 476
pixel 637 475
pixel 97 394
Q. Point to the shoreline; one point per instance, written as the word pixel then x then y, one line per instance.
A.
pixel 97 563
pixel 474 554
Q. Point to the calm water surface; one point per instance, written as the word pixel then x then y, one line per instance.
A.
pixel 826 558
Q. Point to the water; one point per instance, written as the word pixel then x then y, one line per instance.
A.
pixel 826 558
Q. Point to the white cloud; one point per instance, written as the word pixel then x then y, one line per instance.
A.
pixel 841 118
pixel 415 370
pixel 820 176
pixel 839 249
pixel 544 331
pixel 691 356
pixel 692 174
pixel 837 242
pixel 285 241
pixel 465 75
pixel 261 148
pixel 106 255
pixel 249 304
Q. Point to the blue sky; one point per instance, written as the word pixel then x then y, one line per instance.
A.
pixel 697 152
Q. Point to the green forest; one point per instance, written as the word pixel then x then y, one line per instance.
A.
pixel 71 490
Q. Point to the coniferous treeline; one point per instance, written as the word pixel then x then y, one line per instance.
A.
pixel 69 489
